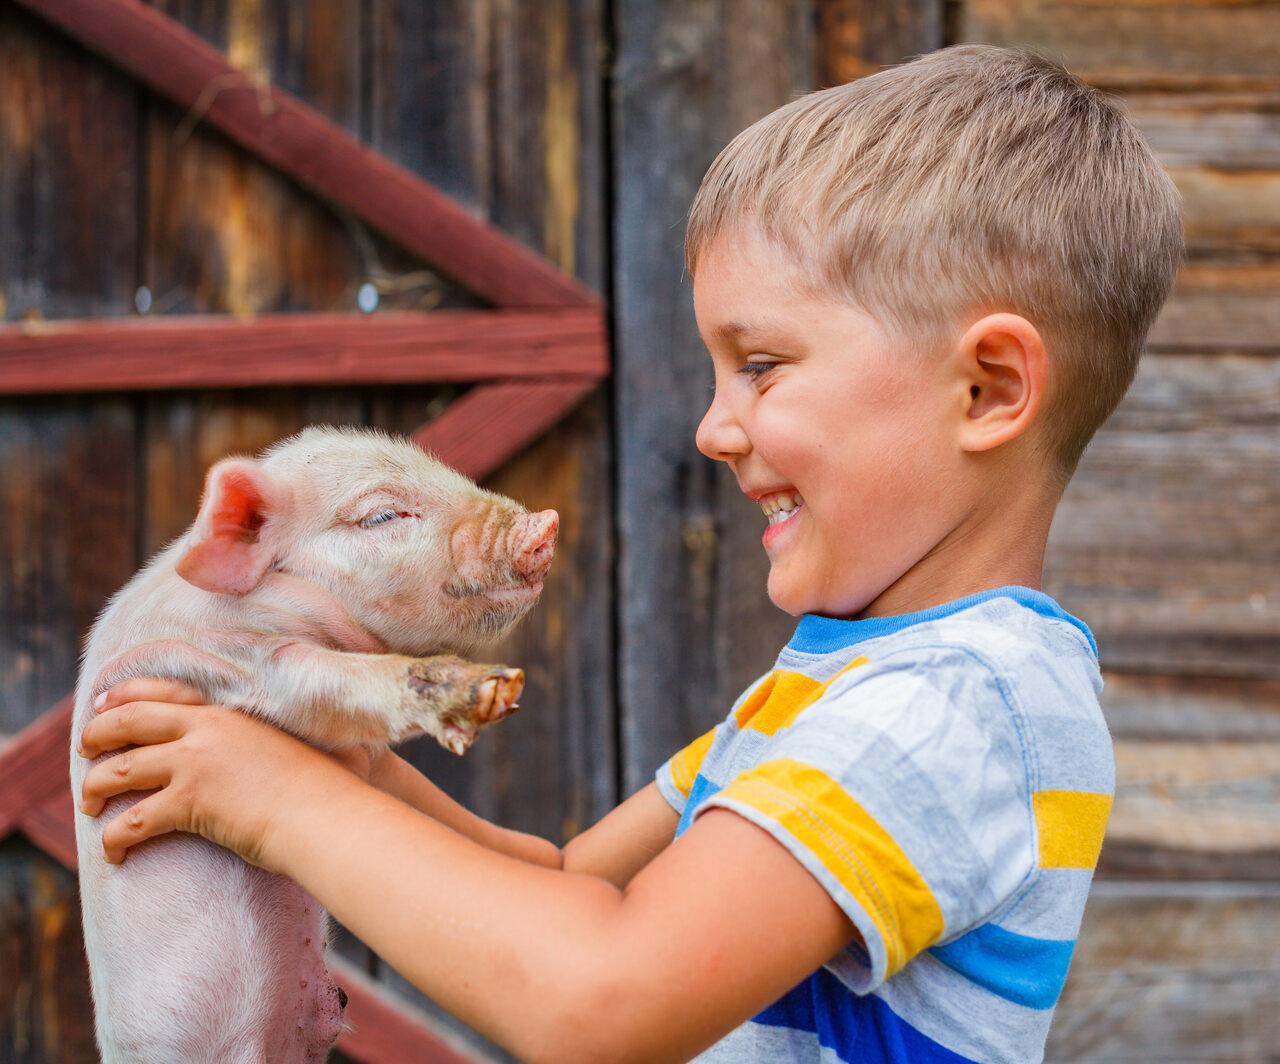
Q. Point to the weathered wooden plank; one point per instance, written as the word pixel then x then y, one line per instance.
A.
pixel 294 349
pixel 1230 212
pixel 502 105
pixel 68 138
pixel 1144 706
pixel 691 574
pixel 859 37
pixel 1164 542
pixel 1195 809
pixel 1138 44
pixel 1226 130
pixel 33 764
pixel 288 135
pixel 46 1013
pixel 1173 972
pixel 1221 306
pixel 484 428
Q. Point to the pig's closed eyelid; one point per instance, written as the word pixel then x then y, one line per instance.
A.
pixel 384 515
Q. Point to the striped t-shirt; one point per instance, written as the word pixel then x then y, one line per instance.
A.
pixel 947 776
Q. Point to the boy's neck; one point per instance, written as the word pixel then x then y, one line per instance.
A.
pixel 991 550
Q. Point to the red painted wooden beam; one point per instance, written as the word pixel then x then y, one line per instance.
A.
pixel 297 349
pixel 482 429
pixel 35 764
pixel 290 136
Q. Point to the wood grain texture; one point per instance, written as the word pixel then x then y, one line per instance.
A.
pixel 1173 972
pixel 68 136
pixel 1139 44
pixel 1221 306
pixel 33 764
pixel 295 349
pixel 859 37
pixel 691 568
pixel 46 1013
pixel 1165 540
pixel 294 138
pixel 501 104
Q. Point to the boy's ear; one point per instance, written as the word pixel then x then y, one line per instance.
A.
pixel 227 552
pixel 1005 368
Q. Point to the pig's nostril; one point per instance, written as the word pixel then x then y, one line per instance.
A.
pixel 535 554
pixel 342 998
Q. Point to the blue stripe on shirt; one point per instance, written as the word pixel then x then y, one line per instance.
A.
pixel 1027 971
pixel 816 634
pixel 859 1030
pixel 701 790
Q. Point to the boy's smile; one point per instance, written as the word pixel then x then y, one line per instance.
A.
pixel 840 434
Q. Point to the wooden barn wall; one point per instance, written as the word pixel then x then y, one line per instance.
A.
pixel 583 127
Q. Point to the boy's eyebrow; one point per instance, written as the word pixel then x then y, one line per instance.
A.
pixel 732 330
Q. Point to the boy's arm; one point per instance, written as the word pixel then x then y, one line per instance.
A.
pixel 615 848
pixel 560 966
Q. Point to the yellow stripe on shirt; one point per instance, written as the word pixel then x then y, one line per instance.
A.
pixel 852 846
pixel 1070 825
pixel 782 697
pixel 686 763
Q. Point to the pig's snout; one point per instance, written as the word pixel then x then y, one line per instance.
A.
pixel 537 545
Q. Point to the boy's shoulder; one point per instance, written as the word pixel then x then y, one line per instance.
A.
pixel 1012 635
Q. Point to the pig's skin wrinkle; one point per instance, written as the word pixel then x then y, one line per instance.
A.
pixel 195 956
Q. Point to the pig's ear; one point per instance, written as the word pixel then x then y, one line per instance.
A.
pixel 228 551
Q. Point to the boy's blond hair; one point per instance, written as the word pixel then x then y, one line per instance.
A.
pixel 971 179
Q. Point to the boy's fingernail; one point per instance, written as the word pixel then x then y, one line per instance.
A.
pixel 100 701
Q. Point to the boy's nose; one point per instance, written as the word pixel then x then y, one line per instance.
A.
pixel 719 435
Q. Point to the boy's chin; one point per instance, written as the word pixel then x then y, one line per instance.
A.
pixel 788 594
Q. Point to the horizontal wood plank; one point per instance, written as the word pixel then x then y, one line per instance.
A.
pixel 294 138
pixel 1165 540
pixel 297 349
pixel 1226 130
pixel 1173 972
pixel 1139 44
pixel 1195 809
pixel 1221 306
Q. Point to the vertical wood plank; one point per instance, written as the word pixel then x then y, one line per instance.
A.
pixel 859 37
pixel 695 624
pixel 500 104
pixel 226 234
pixel 46 1013
pixel 67 212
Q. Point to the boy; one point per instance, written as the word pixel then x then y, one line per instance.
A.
pixel 922 293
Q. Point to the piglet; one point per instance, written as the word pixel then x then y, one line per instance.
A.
pixel 330 587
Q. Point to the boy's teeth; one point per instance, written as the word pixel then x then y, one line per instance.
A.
pixel 779 507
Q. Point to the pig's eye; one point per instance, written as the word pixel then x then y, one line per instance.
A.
pixel 381 518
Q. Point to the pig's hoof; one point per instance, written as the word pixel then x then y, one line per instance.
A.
pixel 498 694
pixel 456 736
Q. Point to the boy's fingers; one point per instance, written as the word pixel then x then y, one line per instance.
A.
pixel 143 769
pixel 135 722
pixel 148 689
pixel 152 816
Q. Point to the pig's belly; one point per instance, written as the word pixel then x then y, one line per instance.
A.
pixel 197 957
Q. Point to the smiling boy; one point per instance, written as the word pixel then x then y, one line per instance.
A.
pixel 922 293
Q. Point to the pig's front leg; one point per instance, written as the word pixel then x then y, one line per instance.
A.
pixel 332 698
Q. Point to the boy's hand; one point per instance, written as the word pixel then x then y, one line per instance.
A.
pixel 220 772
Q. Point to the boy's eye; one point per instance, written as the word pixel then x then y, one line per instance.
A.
pixel 756 370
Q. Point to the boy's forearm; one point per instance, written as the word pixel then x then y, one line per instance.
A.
pixel 501 943
pixel 393 775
